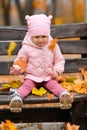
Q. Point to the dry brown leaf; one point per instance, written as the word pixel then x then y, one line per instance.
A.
pixel 84 72
pixel 84 84
pixel 77 87
pixel 82 91
pixel 72 127
pixel 50 96
pixel 60 79
pixel 8 125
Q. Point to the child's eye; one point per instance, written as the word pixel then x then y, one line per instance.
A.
pixel 44 36
pixel 40 37
pixel 37 37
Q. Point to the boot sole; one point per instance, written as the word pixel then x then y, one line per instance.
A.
pixel 16 106
pixel 66 101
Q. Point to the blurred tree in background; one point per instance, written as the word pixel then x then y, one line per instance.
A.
pixel 12 12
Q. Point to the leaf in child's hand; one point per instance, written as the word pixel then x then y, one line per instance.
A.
pixel 22 63
pixel 53 44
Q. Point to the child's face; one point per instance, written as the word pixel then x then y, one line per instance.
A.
pixel 40 40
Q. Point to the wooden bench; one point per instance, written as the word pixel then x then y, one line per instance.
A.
pixel 48 113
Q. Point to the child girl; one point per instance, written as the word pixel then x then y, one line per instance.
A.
pixel 43 64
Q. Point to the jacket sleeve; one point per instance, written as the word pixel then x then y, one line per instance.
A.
pixel 59 60
pixel 21 55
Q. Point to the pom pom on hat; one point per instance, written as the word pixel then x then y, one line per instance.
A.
pixel 50 16
pixel 27 17
pixel 38 24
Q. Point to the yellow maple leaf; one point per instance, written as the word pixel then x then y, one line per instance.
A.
pixel 11 48
pixel 39 92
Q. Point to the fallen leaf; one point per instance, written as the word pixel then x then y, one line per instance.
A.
pixel 72 127
pixel 50 96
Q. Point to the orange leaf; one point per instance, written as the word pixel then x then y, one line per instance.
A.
pixel 50 96
pixel 53 44
pixel 84 73
pixel 8 125
pixel 72 127
pixel 22 63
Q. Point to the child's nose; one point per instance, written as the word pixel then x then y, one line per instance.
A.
pixel 41 39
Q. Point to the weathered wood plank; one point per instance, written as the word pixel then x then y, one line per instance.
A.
pixel 5 67
pixel 12 33
pixel 67 47
pixel 71 65
pixel 57 31
pixel 4 45
pixel 69 30
pixel 36 115
pixel 33 99
pixel 73 46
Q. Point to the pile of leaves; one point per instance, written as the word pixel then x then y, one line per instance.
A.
pixel 13 84
pixel 73 84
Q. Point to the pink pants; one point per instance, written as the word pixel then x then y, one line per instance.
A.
pixel 52 85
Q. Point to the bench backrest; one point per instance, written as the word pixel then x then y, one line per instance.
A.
pixel 74 50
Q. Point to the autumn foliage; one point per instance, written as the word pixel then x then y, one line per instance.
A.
pixel 53 44
pixel 8 125
pixel 72 127
pixel 73 84
pixel 22 63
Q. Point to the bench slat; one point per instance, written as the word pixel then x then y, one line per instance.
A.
pixel 69 30
pixel 57 31
pixel 12 33
pixel 4 45
pixel 34 99
pixel 73 46
pixel 80 47
pixel 36 115
pixel 71 65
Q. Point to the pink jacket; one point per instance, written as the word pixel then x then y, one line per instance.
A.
pixel 41 61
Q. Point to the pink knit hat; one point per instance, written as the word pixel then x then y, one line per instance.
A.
pixel 38 24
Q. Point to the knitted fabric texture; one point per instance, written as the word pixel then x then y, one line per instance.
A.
pixel 38 24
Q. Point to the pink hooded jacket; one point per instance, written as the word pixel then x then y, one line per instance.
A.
pixel 41 61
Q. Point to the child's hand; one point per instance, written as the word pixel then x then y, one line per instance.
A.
pixel 54 74
pixel 14 71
